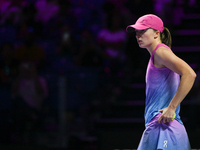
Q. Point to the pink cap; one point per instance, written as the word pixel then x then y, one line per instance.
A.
pixel 147 21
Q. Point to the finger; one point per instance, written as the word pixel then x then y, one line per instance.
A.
pixel 160 118
pixel 161 110
pixel 164 120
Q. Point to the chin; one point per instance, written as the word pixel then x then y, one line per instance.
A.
pixel 142 46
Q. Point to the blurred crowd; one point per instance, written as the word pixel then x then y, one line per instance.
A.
pixel 83 40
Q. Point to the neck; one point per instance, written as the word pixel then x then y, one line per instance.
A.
pixel 153 46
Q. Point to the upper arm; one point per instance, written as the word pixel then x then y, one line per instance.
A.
pixel 167 58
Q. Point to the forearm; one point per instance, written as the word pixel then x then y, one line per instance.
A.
pixel 185 86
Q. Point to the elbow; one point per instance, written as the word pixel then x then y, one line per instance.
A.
pixel 193 75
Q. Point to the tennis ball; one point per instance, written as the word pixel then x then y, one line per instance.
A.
pixel 174 116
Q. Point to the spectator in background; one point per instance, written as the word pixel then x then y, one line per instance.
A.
pixel 46 10
pixel 112 41
pixel 63 17
pixel 8 71
pixel 66 46
pixel 108 9
pixel 120 6
pixel 47 15
pixel 2 2
pixel 135 6
pixel 29 90
pixel 89 55
pixel 190 6
pixel 177 13
pixel 65 50
pixel 11 12
pixel 65 6
pixel 29 23
pixel 30 51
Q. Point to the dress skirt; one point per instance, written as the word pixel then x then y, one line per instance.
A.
pixel 165 136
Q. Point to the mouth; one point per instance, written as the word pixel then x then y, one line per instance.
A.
pixel 139 41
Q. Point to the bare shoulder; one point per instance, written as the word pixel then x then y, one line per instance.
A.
pixel 164 57
pixel 163 51
pixel 161 55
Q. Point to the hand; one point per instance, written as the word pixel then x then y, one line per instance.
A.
pixel 167 115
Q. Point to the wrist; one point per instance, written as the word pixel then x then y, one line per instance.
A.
pixel 173 107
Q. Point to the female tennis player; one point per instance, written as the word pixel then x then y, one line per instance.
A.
pixel 168 81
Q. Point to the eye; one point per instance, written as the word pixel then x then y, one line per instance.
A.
pixel 141 31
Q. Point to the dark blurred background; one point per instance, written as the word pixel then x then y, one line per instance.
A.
pixel 72 78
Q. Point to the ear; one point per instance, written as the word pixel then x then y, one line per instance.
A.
pixel 156 34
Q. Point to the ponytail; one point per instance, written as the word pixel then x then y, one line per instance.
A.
pixel 166 38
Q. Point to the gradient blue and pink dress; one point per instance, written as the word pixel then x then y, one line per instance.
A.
pixel 161 86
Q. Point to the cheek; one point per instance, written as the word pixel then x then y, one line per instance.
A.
pixel 146 38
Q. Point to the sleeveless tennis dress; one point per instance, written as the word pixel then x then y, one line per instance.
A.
pixel 161 86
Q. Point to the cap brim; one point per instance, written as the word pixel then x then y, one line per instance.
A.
pixel 131 28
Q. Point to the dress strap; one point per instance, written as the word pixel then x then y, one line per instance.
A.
pixel 159 45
